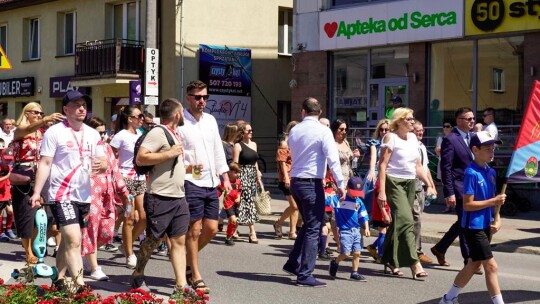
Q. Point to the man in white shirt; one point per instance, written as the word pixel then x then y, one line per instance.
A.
pixel 489 123
pixel 420 197
pixel 312 146
pixel 70 152
pixel 205 163
pixel 7 131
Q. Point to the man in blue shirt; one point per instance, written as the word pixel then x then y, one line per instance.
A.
pixel 312 147
pixel 478 202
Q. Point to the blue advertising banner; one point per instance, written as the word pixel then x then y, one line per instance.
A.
pixel 226 70
pixel 135 97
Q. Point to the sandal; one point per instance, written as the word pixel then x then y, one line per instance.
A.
pixel 393 270
pixel 200 285
pixel 278 230
pixel 32 260
pixel 292 236
pixel 419 276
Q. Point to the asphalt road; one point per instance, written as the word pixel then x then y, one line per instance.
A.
pixel 249 273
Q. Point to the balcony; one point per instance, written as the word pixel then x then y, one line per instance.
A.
pixel 111 58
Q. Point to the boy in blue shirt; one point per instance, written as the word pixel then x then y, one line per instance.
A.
pixel 479 221
pixel 350 215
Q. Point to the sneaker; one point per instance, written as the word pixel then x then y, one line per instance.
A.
pixel 324 257
pixel 445 301
pixel 138 282
pixel 163 250
pixel 229 242
pixel 11 234
pixel 372 251
pixel 108 248
pixel 51 242
pixel 332 269
pixel 99 275
pixel 358 277
pixel 117 239
pixel 289 269
pixel 4 238
pixel 55 251
pixel 220 227
pixel 131 261
pixel 310 282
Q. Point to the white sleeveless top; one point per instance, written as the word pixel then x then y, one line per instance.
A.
pixel 405 154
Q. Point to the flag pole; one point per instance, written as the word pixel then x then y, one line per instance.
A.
pixel 497 216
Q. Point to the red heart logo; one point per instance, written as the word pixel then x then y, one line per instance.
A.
pixel 330 29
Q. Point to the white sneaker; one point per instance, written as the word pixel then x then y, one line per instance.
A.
pixel 131 261
pixel 99 275
pixel 445 301
pixel 51 242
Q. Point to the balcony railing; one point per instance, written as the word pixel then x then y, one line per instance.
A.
pixel 110 57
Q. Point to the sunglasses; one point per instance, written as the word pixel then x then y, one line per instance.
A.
pixel 140 116
pixel 384 130
pixel 467 119
pixel 342 129
pixel 447 126
pixel 249 131
pixel 198 97
pixel 36 112
pixel 102 133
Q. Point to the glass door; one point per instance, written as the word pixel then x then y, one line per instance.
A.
pixel 381 100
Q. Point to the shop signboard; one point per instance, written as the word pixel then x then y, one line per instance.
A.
pixel 226 70
pixel 59 86
pixel 135 96
pixel 17 87
pixel 500 16
pixel 390 23
pixel 226 109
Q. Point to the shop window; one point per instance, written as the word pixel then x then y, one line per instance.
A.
pixel 389 62
pixel 285 34
pixel 497 84
pixel 3 37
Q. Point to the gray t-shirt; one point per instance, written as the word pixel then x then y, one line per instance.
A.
pixel 159 179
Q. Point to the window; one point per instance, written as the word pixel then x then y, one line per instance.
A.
pixel 70 30
pixel 33 39
pixel 3 37
pixel 497 84
pixel 351 2
pixel 285 27
pixel 126 21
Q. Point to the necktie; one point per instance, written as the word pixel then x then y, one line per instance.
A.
pixel 467 139
pixel 421 155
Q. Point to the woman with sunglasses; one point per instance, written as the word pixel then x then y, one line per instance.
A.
pixel 130 119
pixel 26 143
pixel 380 219
pixel 245 154
pixel 447 129
pixel 399 166
pixel 102 214
pixel 346 154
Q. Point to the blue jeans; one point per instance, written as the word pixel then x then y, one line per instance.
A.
pixel 310 200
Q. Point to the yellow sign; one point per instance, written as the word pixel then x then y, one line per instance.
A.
pixel 4 62
pixel 500 16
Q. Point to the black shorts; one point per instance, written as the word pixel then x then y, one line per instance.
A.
pixel 203 202
pixel 478 242
pixel 166 215
pixel 328 217
pixel 379 224
pixel 4 204
pixel 68 213
pixel 281 186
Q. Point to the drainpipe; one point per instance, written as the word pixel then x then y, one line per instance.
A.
pixel 181 3
pixel 151 41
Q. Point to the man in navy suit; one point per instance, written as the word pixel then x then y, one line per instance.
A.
pixel 455 157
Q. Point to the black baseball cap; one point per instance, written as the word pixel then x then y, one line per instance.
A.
pixel 75 95
pixel 396 99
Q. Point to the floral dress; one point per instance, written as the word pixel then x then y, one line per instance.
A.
pixel 102 214
pixel 247 213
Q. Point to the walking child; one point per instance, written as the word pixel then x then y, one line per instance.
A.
pixel 5 194
pixel 351 219
pixel 231 201
pixel 479 220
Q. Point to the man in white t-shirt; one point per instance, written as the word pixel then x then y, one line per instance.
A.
pixel 205 163
pixel 70 152
pixel 489 123
pixel 7 131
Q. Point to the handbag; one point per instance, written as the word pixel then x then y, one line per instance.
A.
pixel 262 200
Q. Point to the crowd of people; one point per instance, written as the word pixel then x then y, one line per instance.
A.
pixel 165 185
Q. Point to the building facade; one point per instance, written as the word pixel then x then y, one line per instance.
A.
pixel 437 55
pixel 99 47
